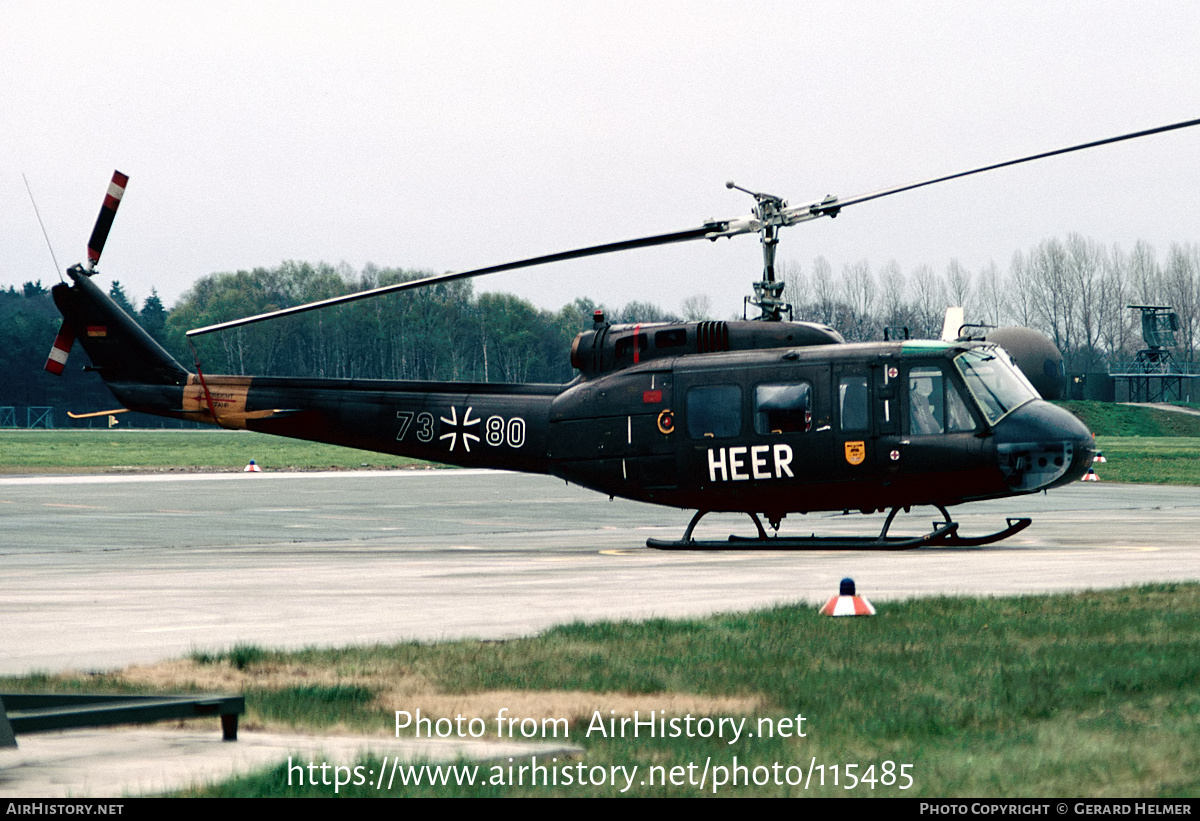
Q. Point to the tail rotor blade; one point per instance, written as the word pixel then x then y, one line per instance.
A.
pixel 61 350
pixel 112 199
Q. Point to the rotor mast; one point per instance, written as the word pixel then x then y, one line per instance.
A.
pixel 768 292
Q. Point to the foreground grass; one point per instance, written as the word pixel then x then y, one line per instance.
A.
pixel 1089 694
pixel 100 450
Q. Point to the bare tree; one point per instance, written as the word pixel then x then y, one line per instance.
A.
pixel 1144 275
pixel 1085 265
pixel 697 308
pixel 858 294
pixel 959 288
pixel 1050 291
pixel 989 296
pixel 1116 327
pixel 1183 294
pixel 823 290
pixel 892 285
pixel 929 302
pixel 795 290
pixel 1020 290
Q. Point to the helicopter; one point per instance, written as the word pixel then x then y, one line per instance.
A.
pixel 766 416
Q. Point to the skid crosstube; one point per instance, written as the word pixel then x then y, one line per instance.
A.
pixel 810 542
pixel 944 534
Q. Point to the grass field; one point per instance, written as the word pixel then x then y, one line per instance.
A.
pixel 1108 419
pixel 78 451
pixel 1091 694
pixel 1143 444
pixel 1168 460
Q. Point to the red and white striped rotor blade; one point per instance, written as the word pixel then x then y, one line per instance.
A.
pixel 112 199
pixel 61 350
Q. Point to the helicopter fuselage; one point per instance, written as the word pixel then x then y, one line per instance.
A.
pixel 816 425
pixel 826 427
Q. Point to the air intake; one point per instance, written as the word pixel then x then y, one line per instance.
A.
pixel 712 337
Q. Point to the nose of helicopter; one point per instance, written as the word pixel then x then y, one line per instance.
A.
pixel 1040 446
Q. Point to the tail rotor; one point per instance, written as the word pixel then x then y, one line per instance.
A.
pixel 112 200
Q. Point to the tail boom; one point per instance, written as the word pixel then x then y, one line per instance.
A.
pixel 469 424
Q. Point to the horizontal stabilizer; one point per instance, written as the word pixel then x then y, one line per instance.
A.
pixel 95 414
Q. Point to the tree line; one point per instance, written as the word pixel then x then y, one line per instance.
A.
pixel 443 332
pixel 1074 290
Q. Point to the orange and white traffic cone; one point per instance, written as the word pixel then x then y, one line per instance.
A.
pixel 847 602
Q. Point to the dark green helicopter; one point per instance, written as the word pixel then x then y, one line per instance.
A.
pixel 765 416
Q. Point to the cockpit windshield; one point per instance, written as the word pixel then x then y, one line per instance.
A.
pixel 995 382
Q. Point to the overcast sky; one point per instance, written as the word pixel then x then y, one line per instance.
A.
pixel 447 135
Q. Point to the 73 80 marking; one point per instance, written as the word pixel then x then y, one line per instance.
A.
pixel 498 431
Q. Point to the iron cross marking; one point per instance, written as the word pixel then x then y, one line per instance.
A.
pixel 457 430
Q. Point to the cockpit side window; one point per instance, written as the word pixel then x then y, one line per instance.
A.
pixel 934 404
pixel 958 418
pixel 714 411
pixel 783 408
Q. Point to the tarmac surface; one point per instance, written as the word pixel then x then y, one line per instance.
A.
pixel 112 762
pixel 105 571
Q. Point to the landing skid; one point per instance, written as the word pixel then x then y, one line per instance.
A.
pixel 944 534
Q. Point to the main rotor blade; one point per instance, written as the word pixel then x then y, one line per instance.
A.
pixel 708 230
pixel 112 199
pixel 830 207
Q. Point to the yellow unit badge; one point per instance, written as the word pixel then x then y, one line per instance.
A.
pixel 856 452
